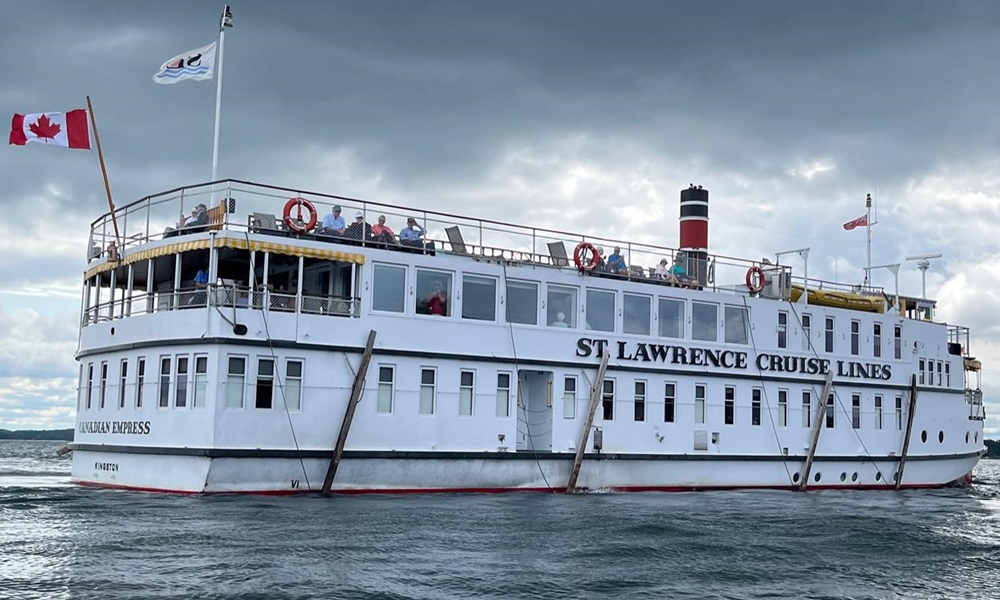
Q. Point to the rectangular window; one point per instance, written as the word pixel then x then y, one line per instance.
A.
pixel 561 306
pixel 428 395
pixel 433 295
pixel 637 311
pixel 806 332
pixel 200 381
pixel 522 302
pixel 921 369
pixel 930 372
pixel 503 395
pixel 466 393
pixel 671 318
pixel 878 412
pixel 755 395
pixel 293 384
pixel 829 334
pixel 669 402
pixel 831 415
pixel 479 298
pixel 782 329
pixel 608 399
pixel 90 385
pixel 730 406
pixel 640 401
pixel 264 395
pixel 947 374
pixel 736 325
pixel 704 321
pixel 140 380
pixel 855 337
pixel 856 411
pixel 600 310
pixel 899 413
pixel 79 390
pixel 122 382
pixel 897 342
pixel 103 391
pixel 569 398
pixel 181 392
pixel 699 404
pixel 782 408
pixel 939 369
pixel 806 410
pixel 386 389
pixel 235 381
pixel 389 288
pixel 877 340
pixel 164 393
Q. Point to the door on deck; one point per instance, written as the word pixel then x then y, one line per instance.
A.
pixel 534 410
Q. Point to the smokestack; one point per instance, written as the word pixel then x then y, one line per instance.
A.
pixel 694 232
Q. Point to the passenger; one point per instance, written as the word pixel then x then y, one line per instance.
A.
pixel 333 223
pixel 200 295
pixel 437 301
pixel 412 234
pixel 662 270
pixel 382 233
pixel 358 230
pixel 678 273
pixel 598 260
pixel 183 223
pixel 560 321
pixel 616 264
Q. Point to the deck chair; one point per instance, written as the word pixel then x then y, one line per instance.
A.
pixel 557 250
pixel 263 221
pixel 636 272
pixel 216 216
pixel 455 237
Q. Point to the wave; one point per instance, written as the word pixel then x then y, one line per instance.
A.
pixel 174 73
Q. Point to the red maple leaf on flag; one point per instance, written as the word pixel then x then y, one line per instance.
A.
pixel 44 128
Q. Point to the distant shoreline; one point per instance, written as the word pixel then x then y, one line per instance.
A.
pixel 30 435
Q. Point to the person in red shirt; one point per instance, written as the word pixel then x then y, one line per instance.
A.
pixel 437 302
pixel 382 232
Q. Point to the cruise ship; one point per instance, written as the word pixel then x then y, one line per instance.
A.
pixel 281 341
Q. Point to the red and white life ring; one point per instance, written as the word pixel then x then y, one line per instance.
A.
pixel 756 280
pixel 296 223
pixel 583 261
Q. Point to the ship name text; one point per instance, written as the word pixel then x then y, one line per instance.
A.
pixel 114 427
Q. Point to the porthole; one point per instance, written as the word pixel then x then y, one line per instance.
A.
pixel 878 476
pixel 923 436
pixel 976 437
pixel 940 437
pixel 818 476
pixel 795 478
pixel 112 331
pixel 843 477
pixel 854 476
pixel 966 437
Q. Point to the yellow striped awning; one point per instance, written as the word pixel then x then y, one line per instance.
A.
pixel 225 242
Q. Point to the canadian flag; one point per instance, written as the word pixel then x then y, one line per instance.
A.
pixel 69 130
pixel 859 222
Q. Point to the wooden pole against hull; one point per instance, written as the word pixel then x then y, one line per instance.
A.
pixel 817 427
pixel 104 172
pixel 595 398
pixel 909 429
pixel 352 405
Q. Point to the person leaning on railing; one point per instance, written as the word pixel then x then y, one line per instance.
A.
pixel 191 224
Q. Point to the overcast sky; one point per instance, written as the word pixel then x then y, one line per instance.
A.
pixel 579 115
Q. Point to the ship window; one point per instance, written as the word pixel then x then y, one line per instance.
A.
pixel 386 387
pixel 140 380
pixel 705 321
pixel 730 406
pixel 293 385
pixel 782 329
pixel 855 337
pixel 600 310
pixel 503 394
pixel 200 381
pixel 90 385
pixel 79 390
pixel 433 293
pixel 755 395
pixel 920 365
pixel 856 411
pixel 828 338
pixel 479 298
pixel 122 382
pixel 164 399
pixel 235 379
pixel 939 369
pixel 388 288
pixel 561 307
pixel 806 332
pixel 947 374
pixel 264 395
pixel 102 393
pixel 522 302
pixel 899 413
pixel 782 408
pixel 806 410
pixel 831 415
pixel 637 310
pixel 569 398
pixel 466 393
pixel 877 340
pixel 699 404
pixel 897 342
pixel 669 402
pixel 640 401
pixel 180 393
pixel 671 318
pixel 878 412
pixel 608 399
pixel 428 380
pixel 736 325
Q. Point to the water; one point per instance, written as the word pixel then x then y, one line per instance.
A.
pixel 62 541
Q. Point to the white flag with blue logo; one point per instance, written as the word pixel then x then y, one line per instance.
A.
pixel 198 64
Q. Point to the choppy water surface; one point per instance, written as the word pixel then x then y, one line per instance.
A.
pixel 62 541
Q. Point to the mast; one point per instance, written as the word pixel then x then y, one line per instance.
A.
pixel 225 21
pixel 868 229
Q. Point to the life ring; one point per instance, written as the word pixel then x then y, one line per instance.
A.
pixel 296 224
pixel 755 280
pixel 582 261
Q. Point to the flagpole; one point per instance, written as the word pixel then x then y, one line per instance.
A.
pixel 868 228
pixel 104 171
pixel 225 21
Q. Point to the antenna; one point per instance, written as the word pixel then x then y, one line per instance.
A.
pixel 923 264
